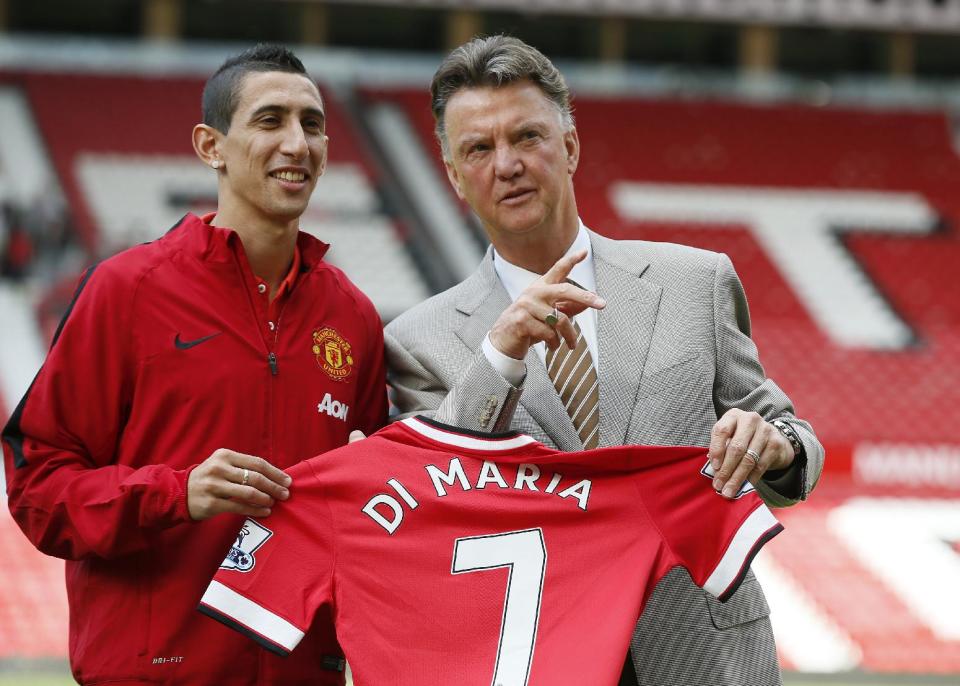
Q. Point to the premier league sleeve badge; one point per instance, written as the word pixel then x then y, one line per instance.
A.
pixel 252 535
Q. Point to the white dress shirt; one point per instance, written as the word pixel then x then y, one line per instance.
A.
pixel 516 279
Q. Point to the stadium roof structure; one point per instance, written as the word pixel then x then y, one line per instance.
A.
pixel 339 67
pixel 926 15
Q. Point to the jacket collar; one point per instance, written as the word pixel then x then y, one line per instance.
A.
pixel 218 244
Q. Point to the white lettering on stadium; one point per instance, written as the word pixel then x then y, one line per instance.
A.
pixel 387 510
pixel 908 465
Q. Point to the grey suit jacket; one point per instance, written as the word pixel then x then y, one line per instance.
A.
pixel 675 354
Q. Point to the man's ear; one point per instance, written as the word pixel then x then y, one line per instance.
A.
pixel 323 160
pixel 454 176
pixel 206 143
pixel 571 143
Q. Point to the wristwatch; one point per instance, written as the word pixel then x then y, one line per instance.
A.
pixel 791 436
pixel 798 467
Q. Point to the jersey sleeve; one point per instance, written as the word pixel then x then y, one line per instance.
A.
pixel 66 490
pixel 713 537
pixel 279 570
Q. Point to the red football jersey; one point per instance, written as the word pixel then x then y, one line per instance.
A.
pixel 455 558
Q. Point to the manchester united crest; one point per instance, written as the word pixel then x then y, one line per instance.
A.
pixel 333 353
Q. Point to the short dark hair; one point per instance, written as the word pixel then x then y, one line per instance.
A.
pixel 221 94
pixel 495 61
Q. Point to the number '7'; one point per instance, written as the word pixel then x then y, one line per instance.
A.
pixel 524 554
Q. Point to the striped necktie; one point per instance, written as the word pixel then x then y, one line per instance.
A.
pixel 575 379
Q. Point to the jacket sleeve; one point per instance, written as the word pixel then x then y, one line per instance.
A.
pixel 66 489
pixel 478 399
pixel 742 383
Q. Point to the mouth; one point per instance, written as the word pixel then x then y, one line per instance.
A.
pixel 517 196
pixel 290 176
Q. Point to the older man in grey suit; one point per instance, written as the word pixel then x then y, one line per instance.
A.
pixel 582 341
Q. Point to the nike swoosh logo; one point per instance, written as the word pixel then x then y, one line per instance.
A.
pixel 186 345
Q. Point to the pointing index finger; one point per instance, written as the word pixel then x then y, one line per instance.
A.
pixel 561 269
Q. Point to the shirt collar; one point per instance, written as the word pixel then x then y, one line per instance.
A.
pixel 291 278
pixel 288 281
pixel 515 279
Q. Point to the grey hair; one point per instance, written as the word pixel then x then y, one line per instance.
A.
pixel 495 61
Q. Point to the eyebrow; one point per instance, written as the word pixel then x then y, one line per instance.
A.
pixel 470 139
pixel 524 125
pixel 531 124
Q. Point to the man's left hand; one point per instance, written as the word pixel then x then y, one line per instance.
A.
pixel 742 447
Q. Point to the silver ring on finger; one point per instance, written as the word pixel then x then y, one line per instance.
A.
pixel 552 318
pixel 753 455
pixel 246 477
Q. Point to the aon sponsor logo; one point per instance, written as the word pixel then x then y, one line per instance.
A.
pixel 332 407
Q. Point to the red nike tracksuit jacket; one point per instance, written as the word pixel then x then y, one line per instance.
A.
pixel 166 354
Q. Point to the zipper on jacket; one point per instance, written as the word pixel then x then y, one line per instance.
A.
pixel 272 361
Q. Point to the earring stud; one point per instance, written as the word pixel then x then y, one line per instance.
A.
pixel 215 164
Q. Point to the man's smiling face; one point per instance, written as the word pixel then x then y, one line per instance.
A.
pixel 275 149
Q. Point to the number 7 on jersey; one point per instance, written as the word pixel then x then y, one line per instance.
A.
pixel 524 554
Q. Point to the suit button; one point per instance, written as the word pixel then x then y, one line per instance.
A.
pixel 487 413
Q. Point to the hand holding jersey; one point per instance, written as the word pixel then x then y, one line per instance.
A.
pixel 743 447
pixel 233 482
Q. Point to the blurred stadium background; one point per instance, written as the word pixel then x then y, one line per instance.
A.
pixel 814 141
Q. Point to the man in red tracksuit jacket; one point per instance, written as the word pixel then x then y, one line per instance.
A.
pixel 186 374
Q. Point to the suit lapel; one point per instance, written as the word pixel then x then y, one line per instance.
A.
pixel 624 331
pixel 483 301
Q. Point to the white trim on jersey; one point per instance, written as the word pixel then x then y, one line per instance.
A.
pixel 458 440
pixel 261 621
pixel 749 537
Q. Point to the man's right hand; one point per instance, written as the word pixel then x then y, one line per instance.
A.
pixel 523 323
pixel 217 485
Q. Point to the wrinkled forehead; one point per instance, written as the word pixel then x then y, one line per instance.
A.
pixel 484 109
pixel 284 90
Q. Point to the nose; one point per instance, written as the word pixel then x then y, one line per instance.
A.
pixel 294 143
pixel 506 162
